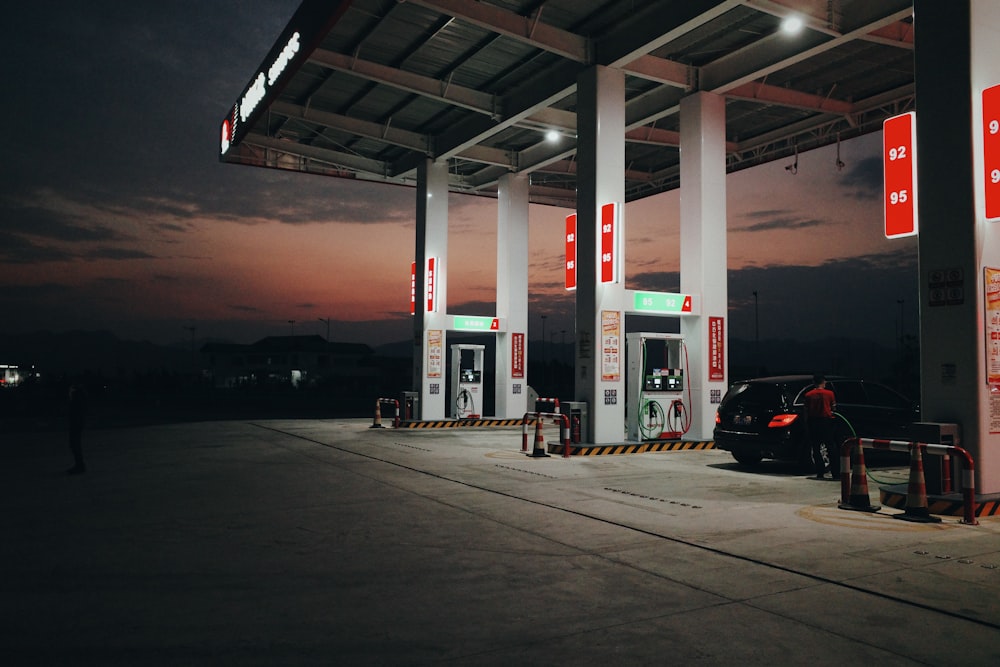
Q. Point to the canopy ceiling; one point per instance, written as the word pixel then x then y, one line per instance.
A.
pixel 368 89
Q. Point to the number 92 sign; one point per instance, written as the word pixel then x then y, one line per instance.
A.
pixel 899 162
pixel 991 151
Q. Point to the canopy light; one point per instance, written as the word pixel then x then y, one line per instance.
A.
pixel 792 25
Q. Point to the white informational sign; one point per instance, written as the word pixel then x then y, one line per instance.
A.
pixel 992 329
pixel 435 353
pixel 611 327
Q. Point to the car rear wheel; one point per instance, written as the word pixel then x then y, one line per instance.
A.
pixel 746 458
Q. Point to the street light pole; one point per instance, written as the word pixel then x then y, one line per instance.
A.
pixel 756 329
pixel 192 329
pixel 327 320
pixel 545 358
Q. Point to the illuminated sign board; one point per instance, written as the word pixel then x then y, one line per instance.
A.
pixel 609 233
pixel 307 28
pixel 413 288
pixel 660 303
pixel 571 251
pixel 258 90
pixel 473 323
pixel 431 285
pixel 899 159
pixel 991 151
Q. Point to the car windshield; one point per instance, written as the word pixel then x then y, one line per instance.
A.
pixel 755 394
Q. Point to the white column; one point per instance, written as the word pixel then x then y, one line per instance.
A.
pixel 956 57
pixel 703 251
pixel 512 296
pixel 600 357
pixel 430 327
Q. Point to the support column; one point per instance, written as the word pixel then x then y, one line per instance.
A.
pixel 956 57
pixel 512 296
pixel 430 321
pixel 703 254
pixel 600 313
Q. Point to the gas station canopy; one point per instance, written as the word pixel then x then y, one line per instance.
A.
pixel 369 89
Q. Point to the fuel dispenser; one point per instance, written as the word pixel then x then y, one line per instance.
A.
pixel 657 394
pixel 467 381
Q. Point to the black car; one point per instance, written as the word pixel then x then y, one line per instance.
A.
pixel 763 417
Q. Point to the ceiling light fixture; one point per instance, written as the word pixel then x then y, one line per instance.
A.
pixel 792 24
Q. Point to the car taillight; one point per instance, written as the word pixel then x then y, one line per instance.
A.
pixel 718 419
pixel 781 421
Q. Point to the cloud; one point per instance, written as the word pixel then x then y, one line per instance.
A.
pixel 244 309
pixel 15 249
pixel 656 281
pixel 864 179
pixel 784 219
pixel 108 252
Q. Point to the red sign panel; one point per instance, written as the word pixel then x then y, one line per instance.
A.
pixel 413 288
pixel 571 251
pixel 609 215
pixel 899 160
pixel 431 285
pixel 517 355
pixel 991 150
pixel 716 349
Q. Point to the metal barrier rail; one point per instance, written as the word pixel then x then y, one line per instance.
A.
pixel 968 469
pixel 394 401
pixel 563 428
pixel 553 401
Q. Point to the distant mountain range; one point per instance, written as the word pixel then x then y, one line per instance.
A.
pixel 76 352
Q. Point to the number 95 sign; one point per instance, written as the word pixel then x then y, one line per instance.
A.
pixel 991 151
pixel 899 160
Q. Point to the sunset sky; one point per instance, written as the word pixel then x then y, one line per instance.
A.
pixel 116 214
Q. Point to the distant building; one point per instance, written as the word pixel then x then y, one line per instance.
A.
pixel 298 361
pixel 10 376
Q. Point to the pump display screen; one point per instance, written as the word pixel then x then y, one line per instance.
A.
pixel 469 375
pixel 667 379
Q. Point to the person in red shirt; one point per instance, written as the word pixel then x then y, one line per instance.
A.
pixel 820 404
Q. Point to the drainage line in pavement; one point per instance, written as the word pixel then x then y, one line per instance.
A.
pixel 650 533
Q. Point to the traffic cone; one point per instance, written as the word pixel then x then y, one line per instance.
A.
pixel 539 450
pixel 916 492
pixel 377 423
pixel 859 499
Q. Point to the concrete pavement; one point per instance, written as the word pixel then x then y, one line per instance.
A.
pixel 329 543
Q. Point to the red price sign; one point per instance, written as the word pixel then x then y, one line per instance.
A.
pixel 609 215
pixel 431 285
pixel 991 150
pixel 413 288
pixel 899 161
pixel 571 251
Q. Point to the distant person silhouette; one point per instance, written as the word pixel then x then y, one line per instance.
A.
pixel 77 417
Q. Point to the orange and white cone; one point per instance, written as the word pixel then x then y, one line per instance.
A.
pixel 916 492
pixel 539 449
pixel 859 499
pixel 377 422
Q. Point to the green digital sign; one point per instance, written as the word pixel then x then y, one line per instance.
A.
pixel 661 302
pixel 473 323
